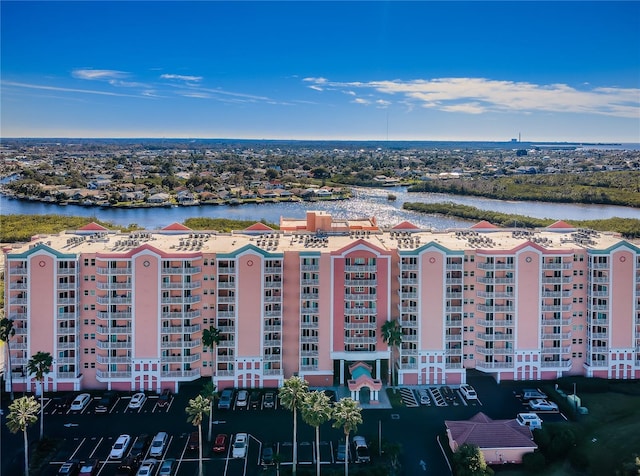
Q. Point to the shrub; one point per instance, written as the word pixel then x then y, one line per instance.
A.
pixel 534 462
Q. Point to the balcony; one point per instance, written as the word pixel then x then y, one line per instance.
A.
pixel 597 363
pixel 105 359
pixel 66 375
pixel 15 271
pixel 495 323
pixel 272 269
pixel 273 313
pixel 598 307
pixel 454 266
pixel 555 322
pixel 106 344
pixel 272 357
pixel 65 330
pixel 453 337
pixel 310 267
pixel 191 374
pixel 102 374
pixel 308 325
pixel 555 350
pixel 67 271
pixel 359 326
pixel 494 337
pixel 496 266
pixel 557 280
pixel 409 338
pixel 408 309
pixel 453 309
pixel 408 266
pixel 226 284
pixel 309 296
pixel 115 286
pixel 408 295
pixel 599 294
pixel 65 316
pixel 363 268
pixel 494 365
pixel 494 351
pixel 495 308
pixel 17 316
pixel 60 346
pixel 180 358
pixel 599 279
pixel 105 300
pixel 180 344
pixel 273 327
pixel 180 329
pixel 360 297
pixel 560 364
pixel 557 336
pixel 113 315
pixel 226 314
pixel 360 311
pixel 181 285
pixel 188 270
pixel 408 281
pixel 556 266
pixel 501 280
pixel 181 315
pixel 66 286
pixel 359 340
pixel 272 299
pixel 181 300
pixel 309 282
pixel 273 284
pixel 453 280
pixel 555 308
pixel 103 271
pixel 360 282
pixel 106 330
pixel 556 294
pixel 21 301
pixel 15 286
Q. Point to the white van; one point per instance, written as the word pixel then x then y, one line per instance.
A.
pixel 157 445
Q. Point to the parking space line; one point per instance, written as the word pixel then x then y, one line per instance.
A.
pixel 96 447
pixel 78 448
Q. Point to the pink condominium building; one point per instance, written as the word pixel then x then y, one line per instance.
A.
pixel 127 311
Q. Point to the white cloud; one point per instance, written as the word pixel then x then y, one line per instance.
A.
pixel 317 88
pixel 181 77
pixel 98 74
pixel 66 90
pixel 360 101
pixel 479 95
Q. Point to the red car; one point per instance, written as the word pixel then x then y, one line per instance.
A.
pixel 220 443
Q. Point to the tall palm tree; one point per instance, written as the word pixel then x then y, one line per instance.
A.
pixel 6 333
pixel 392 336
pixel 211 338
pixel 23 413
pixel 40 365
pixel 196 409
pixel 347 414
pixel 316 410
pixel 209 391
pixel 291 394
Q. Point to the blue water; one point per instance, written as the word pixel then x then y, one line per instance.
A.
pixel 366 203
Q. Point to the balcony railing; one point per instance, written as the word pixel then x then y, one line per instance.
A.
pixel 113 315
pixel 101 270
pixel 181 315
pixel 361 282
pixel 106 344
pixel 494 365
pixel 114 286
pixel 181 285
pixel 180 344
pixel 180 329
pixel 362 268
pixel 494 337
pixel 189 270
pixel 180 358
pixel 105 330
pixel 494 351
pixel 182 373
pixel 496 323
pixel 113 300
pixel 181 299
pixel 499 266
pixel 562 364
pixel 102 374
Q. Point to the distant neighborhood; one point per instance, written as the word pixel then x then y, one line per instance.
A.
pixel 152 173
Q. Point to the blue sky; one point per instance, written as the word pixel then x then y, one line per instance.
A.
pixel 552 71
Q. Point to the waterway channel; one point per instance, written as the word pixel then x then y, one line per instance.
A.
pixel 366 202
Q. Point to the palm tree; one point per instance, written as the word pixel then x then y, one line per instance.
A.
pixel 209 391
pixel 291 394
pixel 316 410
pixel 211 338
pixel 196 409
pixel 6 333
pixel 40 365
pixel 23 413
pixel 347 414
pixel 392 336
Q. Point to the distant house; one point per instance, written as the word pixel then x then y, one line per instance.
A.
pixel 501 441
pixel 159 198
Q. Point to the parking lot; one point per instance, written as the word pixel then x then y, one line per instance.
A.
pixel 87 434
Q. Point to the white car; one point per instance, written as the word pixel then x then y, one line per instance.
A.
pixel 120 447
pixel 531 420
pixel 424 397
pixel 240 445
pixel 468 392
pixel 543 405
pixel 137 400
pixel 146 468
pixel 80 402
pixel 242 399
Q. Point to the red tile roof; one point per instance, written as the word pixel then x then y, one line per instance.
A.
pixel 561 225
pixel 258 227
pixel 93 226
pixel 482 431
pixel 405 225
pixel 484 224
pixel 177 226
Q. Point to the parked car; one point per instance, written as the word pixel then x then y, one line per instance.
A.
pixel 119 448
pixel 106 402
pixel 167 468
pixel 531 420
pixel 242 399
pixel 89 468
pixel 254 399
pixel 226 398
pixel 220 443
pixel 531 393
pixel 266 458
pixel 129 466
pixel 140 446
pixel 269 399
pixel 543 405
pixel 158 444
pixel 80 402
pixel 164 398
pixel 468 392
pixel 137 400
pixel 342 452
pixel 146 468
pixel 194 441
pixel 361 452
pixel 240 445
pixel 70 468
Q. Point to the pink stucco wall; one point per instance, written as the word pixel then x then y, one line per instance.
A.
pixel 528 292
pixel 249 277
pixel 622 300
pixel 146 296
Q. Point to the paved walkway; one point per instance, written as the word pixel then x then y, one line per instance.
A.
pixel 383 403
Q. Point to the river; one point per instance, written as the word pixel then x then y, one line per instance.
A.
pixel 366 202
